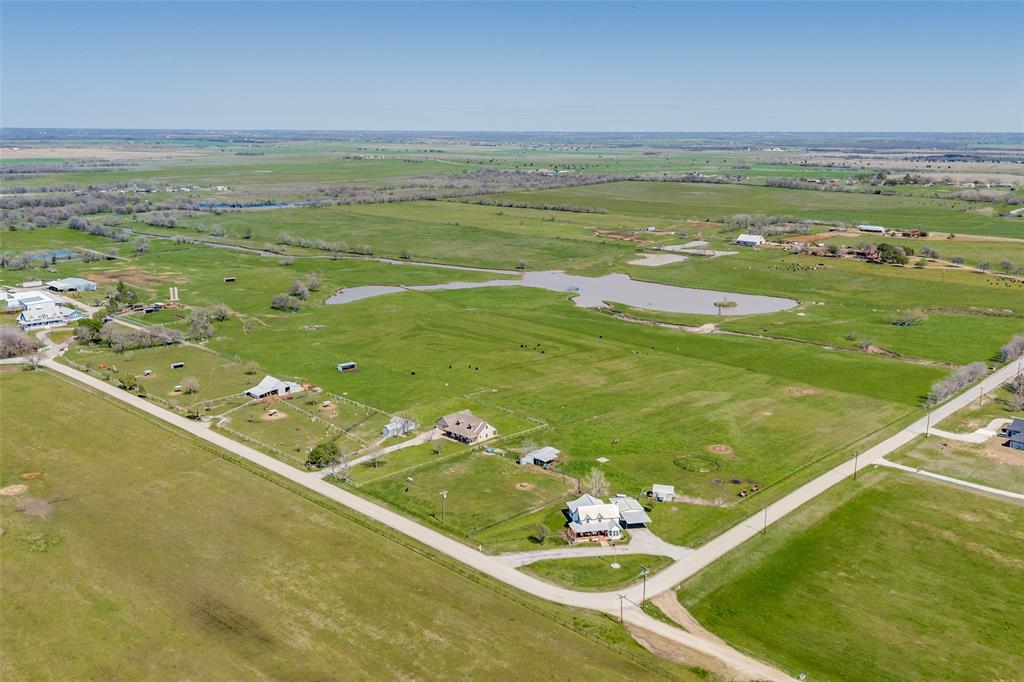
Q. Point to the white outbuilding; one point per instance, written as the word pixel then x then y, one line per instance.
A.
pixel 271 386
pixel 754 240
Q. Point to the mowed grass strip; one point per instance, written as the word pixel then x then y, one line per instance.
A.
pixel 888 578
pixel 597 573
pixel 136 552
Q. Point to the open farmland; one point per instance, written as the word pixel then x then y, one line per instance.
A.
pixel 271 576
pixel 707 201
pixel 910 579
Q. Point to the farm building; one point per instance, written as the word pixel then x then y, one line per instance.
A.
pixel 32 284
pixel 631 512
pixel 749 240
pixel 876 229
pixel 663 493
pixel 271 386
pixel 49 315
pixel 23 300
pixel 591 518
pixel 71 284
pixel 346 366
pixel 398 426
pixel 465 427
pixel 542 457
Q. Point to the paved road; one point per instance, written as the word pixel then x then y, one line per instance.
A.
pixel 980 436
pixel 609 602
pixel 956 481
pixel 642 541
pixel 743 666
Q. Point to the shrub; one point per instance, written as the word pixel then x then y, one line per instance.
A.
pixel 908 318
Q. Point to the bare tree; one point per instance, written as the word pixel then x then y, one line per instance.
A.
pixel 595 483
pixel 189 385
pixel 141 246
pixel 15 343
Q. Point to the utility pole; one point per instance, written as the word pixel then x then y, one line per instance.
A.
pixel 621 619
pixel 928 424
pixel 764 530
pixel 644 571
pixel 855 456
pixel 444 496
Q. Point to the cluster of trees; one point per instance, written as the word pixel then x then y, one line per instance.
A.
pixel 200 322
pixel 774 224
pixel 508 203
pixel 323 455
pixel 1012 350
pixel 160 220
pixel 15 343
pixel 111 230
pixel 1016 386
pixel 122 297
pixel 122 338
pixel 888 253
pixel 301 288
pixel 336 248
pixel 956 382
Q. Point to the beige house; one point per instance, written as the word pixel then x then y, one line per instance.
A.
pixel 466 428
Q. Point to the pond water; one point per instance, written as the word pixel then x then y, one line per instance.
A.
pixel 593 292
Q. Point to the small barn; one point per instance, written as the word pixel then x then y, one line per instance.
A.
pixel 271 386
pixel 874 229
pixel 754 240
pixel 398 426
pixel 631 512
pixel 662 492
pixel 542 457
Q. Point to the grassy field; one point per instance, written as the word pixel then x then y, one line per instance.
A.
pixel 989 463
pixel 218 377
pixel 176 562
pixel 888 578
pixel 482 491
pixel 704 201
pixel 597 573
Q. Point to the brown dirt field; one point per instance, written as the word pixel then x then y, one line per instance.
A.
pixel 620 236
pixel 703 223
pixel 803 238
pixel 995 449
pixel 32 475
pixel 720 449
pixel 35 506
pixel 133 278
pixel 16 489
pixel 273 417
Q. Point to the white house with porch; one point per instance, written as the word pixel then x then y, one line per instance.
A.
pixel 465 427
pixel 47 315
pixel 591 518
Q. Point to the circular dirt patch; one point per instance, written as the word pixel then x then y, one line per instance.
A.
pixel 16 489
pixel 273 417
pixel 720 449
pixel 32 475
pixel 697 464
pixel 524 486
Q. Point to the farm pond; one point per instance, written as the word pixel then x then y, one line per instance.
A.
pixel 594 292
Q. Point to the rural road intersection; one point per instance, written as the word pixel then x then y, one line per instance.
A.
pixel 686 565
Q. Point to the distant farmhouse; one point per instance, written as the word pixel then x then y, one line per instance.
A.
pixel 749 240
pixel 271 386
pixel 465 427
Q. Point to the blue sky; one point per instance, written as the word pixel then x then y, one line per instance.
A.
pixel 662 66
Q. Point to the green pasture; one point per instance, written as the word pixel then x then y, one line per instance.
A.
pixel 887 578
pixel 174 561
pixel 708 201
pixel 482 491
pixel 597 573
